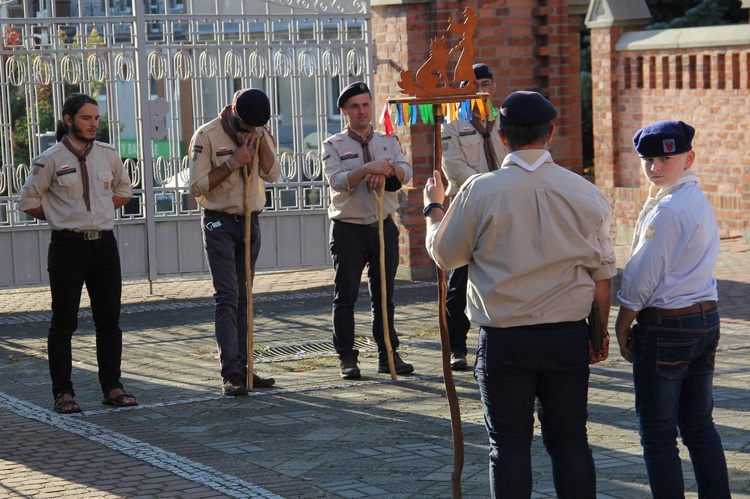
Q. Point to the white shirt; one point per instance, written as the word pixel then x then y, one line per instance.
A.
pixel 674 251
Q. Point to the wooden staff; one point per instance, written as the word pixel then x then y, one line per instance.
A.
pixel 379 193
pixel 445 343
pixel 248 263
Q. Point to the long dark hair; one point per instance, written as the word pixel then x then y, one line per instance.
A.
pixel 71 106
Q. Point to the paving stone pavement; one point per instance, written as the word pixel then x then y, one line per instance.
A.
pixel 313 434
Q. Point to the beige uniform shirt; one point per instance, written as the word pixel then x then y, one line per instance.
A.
pixel 535 242
pixel 463 152
pixel 56 184
pixel 210 148
pixel 356 204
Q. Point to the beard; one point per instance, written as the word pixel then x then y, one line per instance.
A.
pixel 77 133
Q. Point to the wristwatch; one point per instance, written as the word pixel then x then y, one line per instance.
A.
pixel 431 206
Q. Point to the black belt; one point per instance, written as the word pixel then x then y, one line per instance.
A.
pixel 84 235
pixel 222 215
pixel 375 224
pixel 655 313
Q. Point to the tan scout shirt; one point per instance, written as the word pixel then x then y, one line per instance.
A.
pixel 56 184
pixel 356 204
pixel 463 152
pixel 210 148
pixel 535 242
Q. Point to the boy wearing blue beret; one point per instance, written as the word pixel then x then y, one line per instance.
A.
pixel 668 288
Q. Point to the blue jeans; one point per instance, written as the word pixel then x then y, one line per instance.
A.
pixel 515 367
pixel 354 247
pixel 673 367
pixel 225 252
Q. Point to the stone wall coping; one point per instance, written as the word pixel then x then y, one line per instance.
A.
pixel 383 3
pixel 681 38
pixel 608 13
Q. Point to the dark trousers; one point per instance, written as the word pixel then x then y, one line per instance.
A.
pixel 225 252
pixel 354 247
pixel 455 309
pixel 673 368
pixel 71 263
pixel 516 367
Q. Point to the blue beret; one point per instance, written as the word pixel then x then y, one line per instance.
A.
pixel 664 138
pixel 356 88
pixel 253 106
pixel 482 72
pixel 526 108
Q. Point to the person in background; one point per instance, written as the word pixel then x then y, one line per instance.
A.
pixel 359 162
pixel 220 152
pixel 77 185
pixel 669 289
pixel 536 239
pixel 468 149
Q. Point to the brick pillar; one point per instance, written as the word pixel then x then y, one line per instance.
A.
pixel 529 44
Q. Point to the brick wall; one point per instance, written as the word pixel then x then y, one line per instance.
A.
pixel 529 44
pixel 704 86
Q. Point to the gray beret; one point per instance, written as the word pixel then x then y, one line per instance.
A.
pixel 356 88
pixel 526 108
pixel 253 106
pixel 664 138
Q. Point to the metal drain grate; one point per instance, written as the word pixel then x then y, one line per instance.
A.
pixel 311 350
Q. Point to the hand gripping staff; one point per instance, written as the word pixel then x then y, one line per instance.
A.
pixel 248 264
pixel 379 193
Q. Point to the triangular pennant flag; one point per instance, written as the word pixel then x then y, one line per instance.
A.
pixel 385 120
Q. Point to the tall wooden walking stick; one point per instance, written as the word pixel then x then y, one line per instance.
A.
pixel 433 91
pixel 248 262
pixel 379 193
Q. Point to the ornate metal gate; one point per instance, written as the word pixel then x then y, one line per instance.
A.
pixel 160 69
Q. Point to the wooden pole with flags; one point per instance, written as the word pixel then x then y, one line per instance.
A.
pixel 430 92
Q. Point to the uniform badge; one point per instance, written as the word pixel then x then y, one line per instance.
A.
pixel 650 231
pixel 348 155
pixel 669 146
pixel 466 131
pixel 223 151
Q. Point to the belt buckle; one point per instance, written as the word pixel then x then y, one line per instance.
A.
pixel 91 235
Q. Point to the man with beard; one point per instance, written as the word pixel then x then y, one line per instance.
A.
pixel 359 163
pixel 76 186
pixel 220 151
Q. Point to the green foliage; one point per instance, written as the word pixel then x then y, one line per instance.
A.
pixel 667 14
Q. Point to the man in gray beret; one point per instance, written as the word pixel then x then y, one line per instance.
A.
pixel 536 239
pixel 220 151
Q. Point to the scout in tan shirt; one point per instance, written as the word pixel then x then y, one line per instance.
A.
pixel 536 239
pixel 77 185
pixel 221 151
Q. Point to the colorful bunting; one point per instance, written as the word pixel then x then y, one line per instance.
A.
pixel 411 114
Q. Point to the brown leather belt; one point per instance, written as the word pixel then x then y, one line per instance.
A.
pixel 655 313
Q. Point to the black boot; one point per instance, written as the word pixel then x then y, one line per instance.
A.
pixel 348 363
pixel 400 366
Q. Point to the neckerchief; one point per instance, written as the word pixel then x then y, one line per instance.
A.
pixel 365 142
pixel 489 150
pixel 225 114
pixel 81 155
pixel 526 166
pixel 652 201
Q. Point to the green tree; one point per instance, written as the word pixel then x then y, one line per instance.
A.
pixel 667 14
